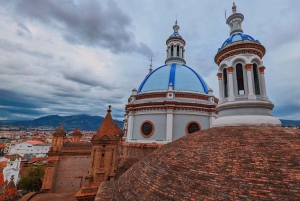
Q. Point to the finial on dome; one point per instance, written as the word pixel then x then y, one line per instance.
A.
pixel 150 69
pixel 233 7
pixel 109 108
pixel 176 22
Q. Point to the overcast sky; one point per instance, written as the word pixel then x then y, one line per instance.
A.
pixel 77 57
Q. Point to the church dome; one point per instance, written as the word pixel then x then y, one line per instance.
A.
pixel 180 76
pixel 225 163
pixel 238 37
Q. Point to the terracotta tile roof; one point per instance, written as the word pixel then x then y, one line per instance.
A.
pixel 2 146
pixel 60 131
pixel 108 127
pixel 35 142
pixel 225 163
pixel 13 157
pixel 77 132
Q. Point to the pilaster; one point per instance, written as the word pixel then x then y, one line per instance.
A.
pixel 263 83
pixel 249 79
pixel 231 92
pixel 220 87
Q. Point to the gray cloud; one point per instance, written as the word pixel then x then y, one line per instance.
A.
pixel 85 23
pixel 9 46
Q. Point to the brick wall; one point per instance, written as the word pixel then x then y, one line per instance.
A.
pixel 69 167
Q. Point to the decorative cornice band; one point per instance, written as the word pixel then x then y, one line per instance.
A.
pixel 243 104
pixel 250 48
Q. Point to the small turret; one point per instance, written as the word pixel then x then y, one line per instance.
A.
pixel 175 47
pixel 235 21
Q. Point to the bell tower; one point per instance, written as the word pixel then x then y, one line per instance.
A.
pixel 175 47
pixel 243 96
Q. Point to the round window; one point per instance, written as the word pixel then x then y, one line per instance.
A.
pixel 192 127
pixel 147 129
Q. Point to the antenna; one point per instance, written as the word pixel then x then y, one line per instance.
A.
pixel 225 15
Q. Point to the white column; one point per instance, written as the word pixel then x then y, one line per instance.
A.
pixel 169 51
pixel 130 126
pixel 169 127
pixel 220 87
pixel 249 79
pixel 231 92
pixel 263 83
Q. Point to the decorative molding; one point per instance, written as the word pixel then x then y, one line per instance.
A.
pixel 153 129
pixel 262 69
pixel 230 69
pixel 236 104
pixel 193 96
pixel 250 48
pixel 248 66
pixel 219 76
pixel 146 96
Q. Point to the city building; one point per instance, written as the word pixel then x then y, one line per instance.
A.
pixel 30 149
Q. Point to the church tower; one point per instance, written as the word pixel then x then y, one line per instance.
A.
pixel 242 89
pixel 59 137
pixel 76 135
pixel 103 163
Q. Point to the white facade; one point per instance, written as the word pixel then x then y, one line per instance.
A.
pixel 12 168
pixel 30 149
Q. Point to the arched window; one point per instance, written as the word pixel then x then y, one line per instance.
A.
pixel 240 79
pixel 172 50
pixel 256 80
pixel 178 50
pixel 225 82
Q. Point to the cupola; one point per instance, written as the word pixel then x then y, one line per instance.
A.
pixel 235 21
pixel 175 47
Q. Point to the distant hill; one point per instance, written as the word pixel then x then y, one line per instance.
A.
pixel 290 122
pixel 84 122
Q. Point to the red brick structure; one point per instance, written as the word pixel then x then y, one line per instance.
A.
pixel 223 163
pixel 67 162
pixel 11 191
pixel 103 163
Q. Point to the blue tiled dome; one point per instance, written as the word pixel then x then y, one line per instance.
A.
pixel 237 37
pixel 182 77
pixel 175 35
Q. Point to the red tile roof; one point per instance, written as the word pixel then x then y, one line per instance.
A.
pixel 224 163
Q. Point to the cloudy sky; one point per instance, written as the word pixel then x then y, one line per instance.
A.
pixel 77 57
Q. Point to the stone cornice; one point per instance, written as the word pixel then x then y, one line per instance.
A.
pixel 165 105
pixel 243 104
pixel 175 39
pixel 244 48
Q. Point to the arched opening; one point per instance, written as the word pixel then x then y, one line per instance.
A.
pixel 256 80
pixel 240 79
pixel 225 82
pixel 177 50
pixel 172 50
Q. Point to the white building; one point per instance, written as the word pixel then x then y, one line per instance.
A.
pixel 30 149
pixel 173 100
pixel 242 88
pixel 13 163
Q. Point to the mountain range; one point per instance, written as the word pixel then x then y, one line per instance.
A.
pixel 83 122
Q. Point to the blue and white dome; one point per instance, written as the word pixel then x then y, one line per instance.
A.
pixel 181 76
pixel 175 35
pixel 237 37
